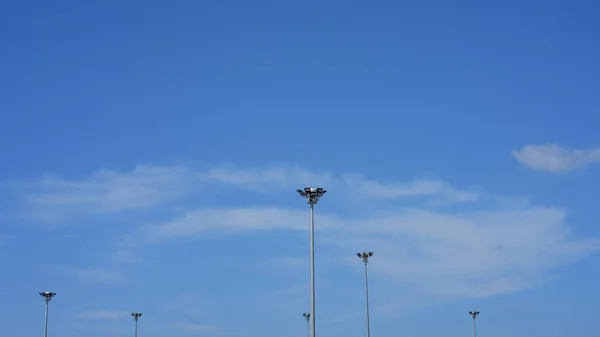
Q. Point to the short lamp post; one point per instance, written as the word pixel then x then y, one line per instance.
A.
pixel 474 314
pixel 136 316
pixel 307 317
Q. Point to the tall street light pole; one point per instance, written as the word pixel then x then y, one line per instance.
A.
pixel 47 295
pixel 365 259
pixel 307 317
pixel 474 314
pixel 312 194
pixel 136 316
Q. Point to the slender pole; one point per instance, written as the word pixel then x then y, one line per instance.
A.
pixel 46 320
pixel 312 270
pixel 367 296
pixel 312 194
pixel 474 314
pixel 47 295
pixel 308 326
pixel 136 316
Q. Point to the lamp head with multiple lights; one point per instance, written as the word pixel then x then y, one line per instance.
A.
pixel 47 295
pixel 364 256
pixel 306 315
pixel 312 194
pixel 136 315
pixel 474 313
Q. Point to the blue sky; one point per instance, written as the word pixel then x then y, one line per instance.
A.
pixel 151 151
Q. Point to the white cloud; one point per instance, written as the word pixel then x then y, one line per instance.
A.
pixel 228 220
pixel 291 261
pixel 193 328
pixel 267 178
pixel 434 255
pixel 119 256
pixel 107 329
pixel 103 314
pixel 422 187
pixel 291 290
pixel 276 178
pixel 144 187
pixel 95 275
pixel 555 158
pixel 107 192
pixel 187 304
pixel 124 256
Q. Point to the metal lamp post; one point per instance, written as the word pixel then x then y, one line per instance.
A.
pixel 365 259
pixel 312 194
pixel 136 316
pixel 307 317
pixel 474 314
pixel 47 295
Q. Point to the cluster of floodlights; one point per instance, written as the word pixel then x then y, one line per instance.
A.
pixel 312 194
pixel 48 295
pixel 364 256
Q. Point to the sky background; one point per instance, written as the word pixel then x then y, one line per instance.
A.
pixel 151 150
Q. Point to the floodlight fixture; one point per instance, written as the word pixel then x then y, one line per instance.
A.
pixel 364 256
pixel 307 317
pixel 47 295
pixel 312 194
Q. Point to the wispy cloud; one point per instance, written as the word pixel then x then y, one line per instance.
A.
pixel 109 329
pixel 106 192
pixel 103 314
pixel 144 187
pixel 197 223
pixel 421 187
pixel 267 178
pixel 291 261
pixel 276 178
pixel 95 275
pixel 193 328
pixel 291 290
pixel 494 251
pixel 187 304
pixel 555 158
pixel 436 255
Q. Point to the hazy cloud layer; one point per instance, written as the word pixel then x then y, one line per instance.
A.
pixel 103 314
pixel 106 192
pixel 193 328
pixel 438 255
pixel 110 191
pixel 555 158
pixel 94 275
pixel 276 178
